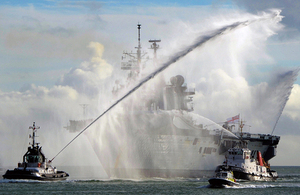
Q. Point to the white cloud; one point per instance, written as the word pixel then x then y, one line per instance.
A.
pixel 88 77
pixel 292 108
pixel 222 96
pixel 287 151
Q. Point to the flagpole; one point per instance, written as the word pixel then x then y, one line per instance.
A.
pixel 241 123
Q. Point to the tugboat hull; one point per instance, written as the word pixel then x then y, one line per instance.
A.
pixel 221 183
pixel 27 174
pixel 223 179
pixel 242 174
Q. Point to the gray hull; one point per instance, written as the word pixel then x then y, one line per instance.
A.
pixel 163 144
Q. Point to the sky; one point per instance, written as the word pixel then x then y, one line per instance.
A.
pixel 56 55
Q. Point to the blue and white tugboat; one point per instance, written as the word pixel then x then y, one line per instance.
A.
pixel 223 179
pixel 35 165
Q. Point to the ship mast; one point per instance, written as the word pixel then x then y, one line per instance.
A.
pixel 135 59
pixel 139 48
pixel 34 129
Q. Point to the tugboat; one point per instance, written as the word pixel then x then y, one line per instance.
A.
pixel 245 166
pixel 35 165
pixel 223 179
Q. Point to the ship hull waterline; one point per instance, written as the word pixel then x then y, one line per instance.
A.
pixel 23 174
pixel 221 183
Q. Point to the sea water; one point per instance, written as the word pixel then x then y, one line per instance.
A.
pixel 287 183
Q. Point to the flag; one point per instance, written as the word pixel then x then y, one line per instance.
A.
pixel 233 119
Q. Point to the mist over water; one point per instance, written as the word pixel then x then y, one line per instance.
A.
pixel 216 69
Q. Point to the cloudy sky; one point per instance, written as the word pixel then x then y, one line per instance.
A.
pixel 56 55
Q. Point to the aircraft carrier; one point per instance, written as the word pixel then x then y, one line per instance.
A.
pixel 154 132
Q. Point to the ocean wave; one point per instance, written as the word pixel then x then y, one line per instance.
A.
pixel 261 185
pixel 20 181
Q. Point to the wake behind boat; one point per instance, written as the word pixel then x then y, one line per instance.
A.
pixel 35 165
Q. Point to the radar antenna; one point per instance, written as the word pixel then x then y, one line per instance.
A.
pixel 84 106
pixel 155 47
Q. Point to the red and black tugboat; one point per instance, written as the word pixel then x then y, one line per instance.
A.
pixel 35 165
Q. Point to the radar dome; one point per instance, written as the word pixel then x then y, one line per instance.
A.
pixel 180 80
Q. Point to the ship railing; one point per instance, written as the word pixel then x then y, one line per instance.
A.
pixel 191 89
pixel 35 164
pixel 258 136
pixel 32 165
pixel 21 164
pixel 131 65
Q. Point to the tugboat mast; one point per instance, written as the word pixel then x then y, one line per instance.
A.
pixel 34 129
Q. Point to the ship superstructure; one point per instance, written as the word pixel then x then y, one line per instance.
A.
pixel 154 133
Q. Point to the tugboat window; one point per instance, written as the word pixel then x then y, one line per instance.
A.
pixel 33 159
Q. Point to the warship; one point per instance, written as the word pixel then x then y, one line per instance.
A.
pixel 154 132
